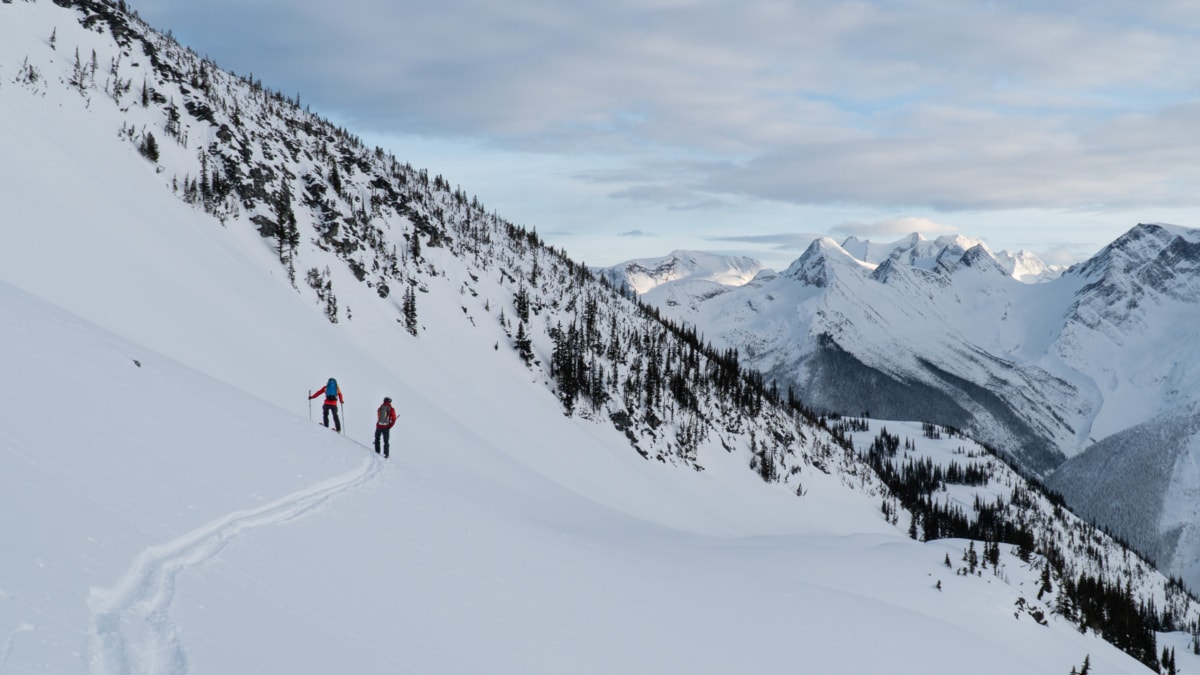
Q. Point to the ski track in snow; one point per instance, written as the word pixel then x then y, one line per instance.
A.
pixel 132 631
pixel 4 650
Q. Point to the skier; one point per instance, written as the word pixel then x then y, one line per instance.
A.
pixel 333 396
pixel 385 420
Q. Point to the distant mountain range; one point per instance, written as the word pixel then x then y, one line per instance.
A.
pixel 917 251
pixel 1057 373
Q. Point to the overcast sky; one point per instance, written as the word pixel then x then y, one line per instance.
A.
pixel 628 128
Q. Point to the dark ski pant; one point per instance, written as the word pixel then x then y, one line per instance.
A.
pixel 386 434
pixel 331 408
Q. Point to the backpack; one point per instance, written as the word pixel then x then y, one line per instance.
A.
pixel 387 414
pixel 331 390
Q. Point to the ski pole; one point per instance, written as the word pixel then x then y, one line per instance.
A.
pixel 342 406
pixel 310 405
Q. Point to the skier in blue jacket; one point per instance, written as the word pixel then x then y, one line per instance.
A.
pixel 333 396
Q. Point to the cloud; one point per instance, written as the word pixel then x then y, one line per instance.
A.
pixel 969 105
pixel 701 205
pixel 674 197
pixel 955 160
pixel 894 226
pixel 787 241
pixel 1065 253
pixel 636 233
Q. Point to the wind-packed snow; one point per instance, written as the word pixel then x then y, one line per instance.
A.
pixel 170 505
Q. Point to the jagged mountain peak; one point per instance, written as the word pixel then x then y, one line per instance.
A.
pixel 945 252
pixel 884 271
pixel 978 257
pixel 818 264
pixel 913 249
pixel 1132 280
pixel 1133 249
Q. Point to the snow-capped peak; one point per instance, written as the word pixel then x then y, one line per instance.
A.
pixel 980 258
pixel 1133 249
pixel 1025 266
pixel 645 274
pixel 914 249
pixel 946 251
pixel 815 266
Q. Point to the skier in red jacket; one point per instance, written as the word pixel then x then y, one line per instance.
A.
pixel 385 419
pixel 333 396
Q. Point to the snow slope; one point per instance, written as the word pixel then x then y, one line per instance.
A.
pixel 169 506
pixel 1163 455
pixel 216 532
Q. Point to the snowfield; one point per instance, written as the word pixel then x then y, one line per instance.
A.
pixel 175 524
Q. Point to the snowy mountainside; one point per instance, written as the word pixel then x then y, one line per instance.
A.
pixel 334 231
pixel 1040 371
pixel 1129 326
pixel 1158 513
pixel 178 304
pixel 945 486
pixel 646 274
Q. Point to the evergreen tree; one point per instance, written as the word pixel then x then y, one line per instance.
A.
pixel 1045 587
pixel 414 245
pixel 524 345
pixel 286 233
pixel 335 178
pixel 173 127
pixel 653 382
pixel 149 147
pixel 566 365
pixel 78 78
pixel 521 300
pixel 613 353
pixel 410 309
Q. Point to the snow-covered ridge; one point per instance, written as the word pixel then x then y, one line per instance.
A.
pixel 917 251
pixel 645 274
